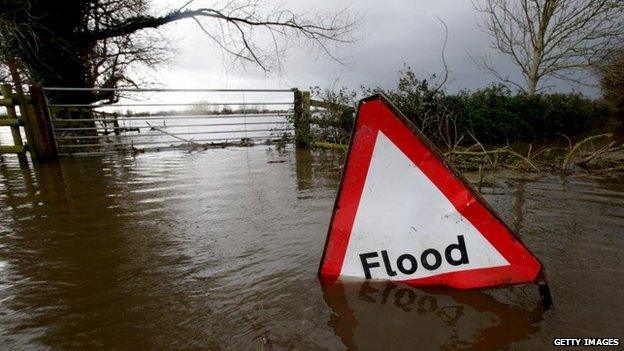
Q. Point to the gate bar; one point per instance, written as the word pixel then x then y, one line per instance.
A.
pixel 163 142
pixel 171 90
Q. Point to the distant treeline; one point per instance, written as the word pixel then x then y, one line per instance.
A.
pixel 490 115
pixel 201 110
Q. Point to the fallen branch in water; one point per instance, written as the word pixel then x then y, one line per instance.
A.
pixel 583 163
pixel 328 145
pixel 605 158
pixel 173 135
pixel 525 159
pixel 566 161
pixel 476 153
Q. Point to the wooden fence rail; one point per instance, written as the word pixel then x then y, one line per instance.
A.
pixel 9 102
pixel 33 119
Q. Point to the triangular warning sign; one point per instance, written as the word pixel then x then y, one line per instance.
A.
pixel 402 213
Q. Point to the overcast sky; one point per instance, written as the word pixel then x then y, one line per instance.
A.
pixel 392 33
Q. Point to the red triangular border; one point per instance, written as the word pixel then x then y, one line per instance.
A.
pixel 376 114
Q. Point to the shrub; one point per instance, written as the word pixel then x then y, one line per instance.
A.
pixel 334 125
pixel 492 114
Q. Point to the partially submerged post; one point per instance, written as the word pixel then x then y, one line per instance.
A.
pixel 44 147
pixel 25 118
pixel 34 118
pixel 302 116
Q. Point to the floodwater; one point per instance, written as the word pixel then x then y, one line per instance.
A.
pixel 219 249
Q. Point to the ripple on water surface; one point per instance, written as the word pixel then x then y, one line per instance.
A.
pixel 214 249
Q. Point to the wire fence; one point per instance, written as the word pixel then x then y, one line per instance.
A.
pixel 137 120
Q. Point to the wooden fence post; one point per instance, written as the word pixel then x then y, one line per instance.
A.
pixel 18 148
pixel 302 116
pixel 24 118
pixel 44 146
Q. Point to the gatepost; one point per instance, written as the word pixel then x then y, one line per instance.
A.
pixel 302 116
pixel 38 115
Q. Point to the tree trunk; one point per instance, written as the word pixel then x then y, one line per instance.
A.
pixel 532 87
pixel 15 75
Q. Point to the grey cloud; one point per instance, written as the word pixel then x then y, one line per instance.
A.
pixel 394 32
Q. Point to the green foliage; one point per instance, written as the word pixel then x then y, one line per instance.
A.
pixel 334 124
pixel 491 115
pixel 416 98
pixel 494 115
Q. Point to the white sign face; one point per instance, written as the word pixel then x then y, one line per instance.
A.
pixel 403 214
pixel 405 228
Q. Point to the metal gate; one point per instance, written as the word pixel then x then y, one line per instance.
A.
pixel 136 120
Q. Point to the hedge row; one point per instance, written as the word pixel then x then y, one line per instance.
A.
pixel 492 115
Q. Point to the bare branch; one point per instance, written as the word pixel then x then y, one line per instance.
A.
pixel 99 42
pixel 443 56
pixel 551 38
pixel 243 18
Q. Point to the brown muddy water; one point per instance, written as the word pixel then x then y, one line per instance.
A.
pixel 219 250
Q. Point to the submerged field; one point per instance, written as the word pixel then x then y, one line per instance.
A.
pixel 219 249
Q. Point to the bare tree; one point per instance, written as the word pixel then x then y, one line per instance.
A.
pixel 611 71
pixel 550 38
pixel 94 43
